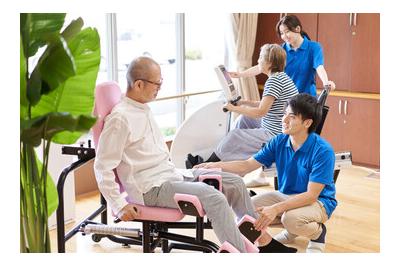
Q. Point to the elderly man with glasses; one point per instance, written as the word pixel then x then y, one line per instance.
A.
pixel 132 143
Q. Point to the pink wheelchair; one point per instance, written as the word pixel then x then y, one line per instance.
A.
pixel 155 221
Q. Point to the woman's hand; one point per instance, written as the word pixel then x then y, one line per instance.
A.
pixel 235 74
pixel 230 107
pixel 331 84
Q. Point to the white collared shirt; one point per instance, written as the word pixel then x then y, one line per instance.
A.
pixel 132 143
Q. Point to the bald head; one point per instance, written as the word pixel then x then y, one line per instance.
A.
pixel 141 68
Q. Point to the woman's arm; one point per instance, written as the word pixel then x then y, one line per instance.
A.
pixel 250 72
pixel 324 77
pixel 256 111
pixel 249 103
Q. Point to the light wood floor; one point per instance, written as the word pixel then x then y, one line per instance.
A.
pixel 353 227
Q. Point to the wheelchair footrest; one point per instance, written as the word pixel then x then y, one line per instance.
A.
pixel 250 247
pixel 189 204
pixel 246 227
pixel 226 247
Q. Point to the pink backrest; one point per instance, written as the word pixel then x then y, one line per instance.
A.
pixel 107 95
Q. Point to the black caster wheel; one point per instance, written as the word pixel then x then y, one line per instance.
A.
pixel 96 238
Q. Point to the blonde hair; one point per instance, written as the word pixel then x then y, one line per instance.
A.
pixel 274 55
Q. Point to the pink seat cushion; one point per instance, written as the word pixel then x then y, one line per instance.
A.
pixel 158 214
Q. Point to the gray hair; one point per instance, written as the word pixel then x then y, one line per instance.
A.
pixel 139 68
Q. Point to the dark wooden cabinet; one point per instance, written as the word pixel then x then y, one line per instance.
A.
pixel 351 46
pixel 353 125
pixel 365 58
pixel 334 36
pixel 351 50
pixel 350 42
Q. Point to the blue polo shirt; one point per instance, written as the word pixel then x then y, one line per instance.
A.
pixel 313 162
pixel 301 65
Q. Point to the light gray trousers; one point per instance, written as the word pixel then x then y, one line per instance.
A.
pixel 244 141
pixel 216 205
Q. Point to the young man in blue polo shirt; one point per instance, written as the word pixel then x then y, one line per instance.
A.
pixel 305 165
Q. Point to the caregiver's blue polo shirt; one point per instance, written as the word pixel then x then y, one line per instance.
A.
pixel 301 65
pixel 314 161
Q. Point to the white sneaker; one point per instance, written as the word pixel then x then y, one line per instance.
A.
pixel 257 182
pixel 284 237
pixel 317 245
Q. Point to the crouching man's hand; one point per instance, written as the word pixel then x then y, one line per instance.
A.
pixel 207 165
pixel 128 213
pixel 267 216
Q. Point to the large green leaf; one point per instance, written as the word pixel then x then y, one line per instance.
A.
pixel 72 29
pixel 23 111
pixel 76 95
pixel 46 126
pixel 38 28
pixel 54 67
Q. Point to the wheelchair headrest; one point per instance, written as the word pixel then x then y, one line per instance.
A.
pixel 107 95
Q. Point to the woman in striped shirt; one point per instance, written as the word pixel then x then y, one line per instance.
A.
pixel 261 120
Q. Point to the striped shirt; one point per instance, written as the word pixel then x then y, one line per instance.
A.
pixel 281 87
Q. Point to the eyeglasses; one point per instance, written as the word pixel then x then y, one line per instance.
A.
pixel 159 83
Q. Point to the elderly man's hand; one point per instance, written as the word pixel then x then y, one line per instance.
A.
pixel 128 213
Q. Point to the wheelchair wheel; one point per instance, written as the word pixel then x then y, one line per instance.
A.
pixel 96 238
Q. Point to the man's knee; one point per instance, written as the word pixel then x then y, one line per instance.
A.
pixel 291 221
pixel 266 199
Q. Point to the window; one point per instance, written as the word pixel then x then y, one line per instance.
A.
pixel 155 36
pixel 187 46
pixel 204 50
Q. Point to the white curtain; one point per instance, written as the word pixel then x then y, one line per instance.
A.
pixel 241 41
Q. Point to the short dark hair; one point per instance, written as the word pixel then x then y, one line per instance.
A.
pixel 308 108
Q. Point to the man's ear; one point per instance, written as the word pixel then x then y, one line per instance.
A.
pixel 139 84
pixel 308 122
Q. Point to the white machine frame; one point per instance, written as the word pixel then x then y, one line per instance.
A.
pixel 200 133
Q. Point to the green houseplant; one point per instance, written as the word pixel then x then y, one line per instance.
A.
pixel 56 101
